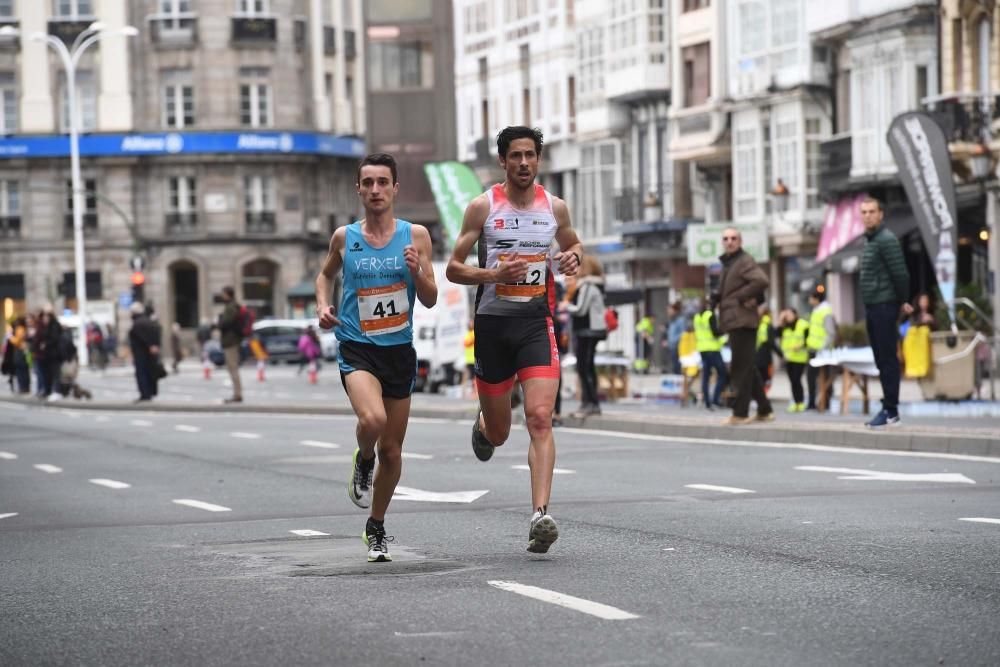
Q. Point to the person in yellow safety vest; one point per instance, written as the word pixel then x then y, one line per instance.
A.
pixel 822 336
pixel 793 349
pixel 709 341
pixel 644 330
pixel 766 346
pixel 470 358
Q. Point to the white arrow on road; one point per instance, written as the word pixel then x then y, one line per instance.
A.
pixel 878 475
pixel 406 493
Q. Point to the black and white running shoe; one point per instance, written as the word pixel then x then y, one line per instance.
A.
pixel 359 488
pixel 378 544
pixel 543 532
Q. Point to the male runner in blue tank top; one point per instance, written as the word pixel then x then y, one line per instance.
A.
pixel 515 223
pixel 386 262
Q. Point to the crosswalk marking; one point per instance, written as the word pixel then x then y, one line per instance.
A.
pixel 48 467
pixel 201 505
pixel 245 436
pixel 980 519
pixel 110 483
pixel 8 515
pixel 597 609
pixel 307 533
pixel 184 428
pixel 723 489
pixel 9 456
pixel 320 444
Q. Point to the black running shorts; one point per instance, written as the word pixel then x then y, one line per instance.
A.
pixel 513 346
pixel 394 366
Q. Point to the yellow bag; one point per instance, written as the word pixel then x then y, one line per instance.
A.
pixel 685 348
pixel 917 351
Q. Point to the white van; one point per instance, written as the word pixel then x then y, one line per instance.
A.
pixel 439 334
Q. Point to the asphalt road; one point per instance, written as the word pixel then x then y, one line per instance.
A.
pixel 672 551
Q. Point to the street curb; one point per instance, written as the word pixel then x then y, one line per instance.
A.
pixel 898 439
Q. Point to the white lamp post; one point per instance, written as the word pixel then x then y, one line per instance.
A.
pixel 70 59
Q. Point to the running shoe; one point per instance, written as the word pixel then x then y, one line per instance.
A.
pixel 543 532
pixel 378 544
pixel 359 488
pixel 482 447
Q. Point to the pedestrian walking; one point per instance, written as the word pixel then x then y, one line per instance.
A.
pixel 176 346
pixel 589 328
pixel 515 223
pixel 793 349
pixel 385 264
pixel 675 329
pixel 822 337
pixel 741 291
pixel 232 326
pixel 144 342
pixel 310 351
pixel 885 291
pixel 766 346
pixel 709 341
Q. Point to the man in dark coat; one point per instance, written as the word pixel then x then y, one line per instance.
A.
pixel 144 340
pixel 741 291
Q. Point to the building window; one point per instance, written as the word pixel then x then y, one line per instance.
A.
pixel 255 98
pixel 814 136
pixel 86 102
pixel 252 8
pixel 786 153
pixel 394 65
pixel 10 209
pixel 8 97
pixel 752 33
pixel 600 165
pixel 185 284
pixel 259 203
pixel 73 9
pixel 7 8
pixel 182 203
pixel 697 74
pixel 89 186
pixel 178 105
pixel 175 15
pixel 745 168
pixel 691 5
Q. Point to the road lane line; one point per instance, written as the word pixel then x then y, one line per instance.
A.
pixel 9 406
pixel 47 467
pixel 184 428
pixel 110 483
pixel 980 519
pixel 320 444
pixel 418 457
pixel 245 436
pixel 102 418
pixel 307 533
pixel 597 609
pixel 8 515
pixel 723 489
pixel 197 504
pixel 141 422
pixel 555 471
pixel 9 456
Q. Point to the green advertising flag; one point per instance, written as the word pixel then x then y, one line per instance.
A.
pixel 454 186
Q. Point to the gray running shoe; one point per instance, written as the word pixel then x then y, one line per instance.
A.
pixel 359 488
pixel 543 533
pixel 482 447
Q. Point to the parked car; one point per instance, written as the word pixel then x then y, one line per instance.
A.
pixel 281 339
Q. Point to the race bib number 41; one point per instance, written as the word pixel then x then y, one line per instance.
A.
pixel 533 285
pixel 383 310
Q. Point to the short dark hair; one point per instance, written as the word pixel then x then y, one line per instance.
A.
pixel 512 132
pixel 868 199
pixel 229 291
pixel 381 159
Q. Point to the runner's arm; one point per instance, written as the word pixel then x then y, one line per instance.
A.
pixel 461 273
pixel 427 290
pixel 571 250
pixel 324 280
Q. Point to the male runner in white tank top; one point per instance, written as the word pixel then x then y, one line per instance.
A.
pixel 514 223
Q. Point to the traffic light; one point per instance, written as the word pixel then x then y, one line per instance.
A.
pixel 138 285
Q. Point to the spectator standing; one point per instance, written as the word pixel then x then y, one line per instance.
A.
pixel 793 348
pixel 766 345
pixel 18 344
pixel 230 326
pixel 175 346
pixel 589 328
pixel 644 330
pixel 741 291
pixel 144 341
pixel 675 329
pixel 45 351
pixel 885 285
pixel 822 336
pixel 709 341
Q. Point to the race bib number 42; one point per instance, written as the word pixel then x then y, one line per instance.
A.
pixel 533 285
pixel 383 310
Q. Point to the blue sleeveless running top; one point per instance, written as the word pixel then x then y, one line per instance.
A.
pixel 377 303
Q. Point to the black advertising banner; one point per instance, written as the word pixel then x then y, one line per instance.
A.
pixel 921 151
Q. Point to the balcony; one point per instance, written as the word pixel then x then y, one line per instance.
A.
pixel 89 223
pixel 174 30
pixel 699 134
pixel 966 117
pixel 181 223
pixel 254 30
pixel 10 227
pixel 68 29
pixel 260 222
pixel 834 165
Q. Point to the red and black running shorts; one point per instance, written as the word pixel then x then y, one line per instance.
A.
pixel 506 347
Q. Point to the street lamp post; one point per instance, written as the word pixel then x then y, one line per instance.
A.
pixel 70 58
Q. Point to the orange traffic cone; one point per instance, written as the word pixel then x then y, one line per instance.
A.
pixel 206 369
pixel 260 371
pixel 312 372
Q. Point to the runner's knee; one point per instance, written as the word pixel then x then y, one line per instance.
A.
pixel 497 435
pixel 372 422
pixel 390 454
pixel 539 420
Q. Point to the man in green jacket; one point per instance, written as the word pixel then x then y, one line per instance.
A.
pixel 885 290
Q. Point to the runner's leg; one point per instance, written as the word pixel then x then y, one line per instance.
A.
pixel 390 455
pixel 539 397
pixel 365 393
pixel 495 423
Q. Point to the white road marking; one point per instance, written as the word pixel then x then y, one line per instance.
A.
pixel 9 456
pixel 320 444
pixel 980 519
pixel 407 493
pixel 102 418
pixel 141 422
pixel 555 471
pixel 723 489
pixel 71 414
pixel 782 445
pixel 10 406
pixel 307 533
pixel 444 633
pixel 110 483
pixel 8 515
pixel 245 436
pixel 418 457
pixel 597 609
pixel 202 505
pixel 47 467
pixel 877 475
pixel 185 428
pixel 670 549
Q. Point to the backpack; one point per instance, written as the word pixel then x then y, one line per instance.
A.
pixel 244 322
pixel 610 319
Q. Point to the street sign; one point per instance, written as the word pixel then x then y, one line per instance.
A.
pixel 704 242
pixel 124 300
pixel 138 263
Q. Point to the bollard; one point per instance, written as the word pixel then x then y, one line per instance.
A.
pixel 312 372
pixel 206 369
pixel 260 371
